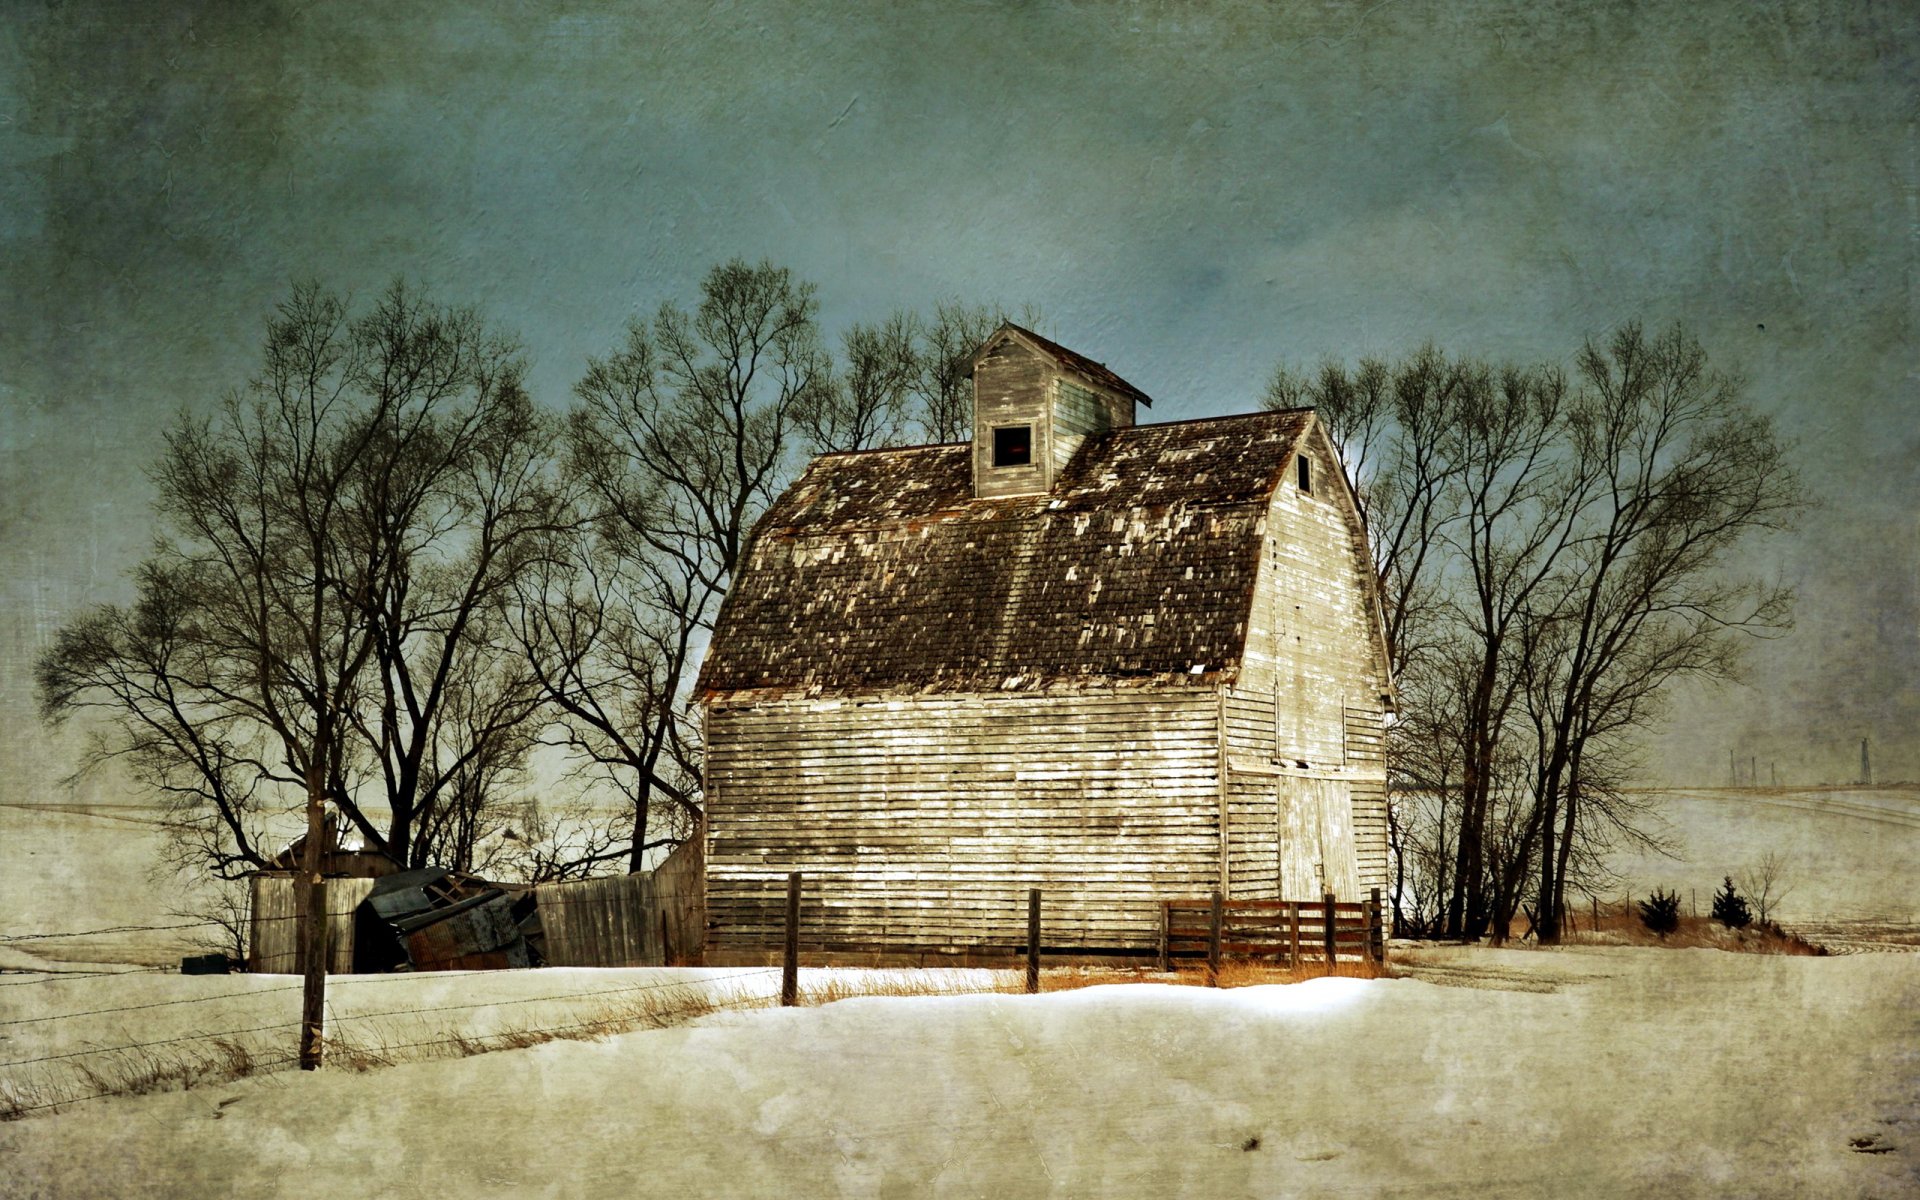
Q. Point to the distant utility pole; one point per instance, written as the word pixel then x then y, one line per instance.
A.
pixel 1753 770
pixel 1866 764
pixel 1733 769
pixel 1773 774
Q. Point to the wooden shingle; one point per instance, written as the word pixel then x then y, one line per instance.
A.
pixel 879 571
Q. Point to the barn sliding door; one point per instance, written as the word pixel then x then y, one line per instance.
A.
pixel 1316 839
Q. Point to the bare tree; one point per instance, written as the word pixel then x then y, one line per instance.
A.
pixel 220 912
pixel 869 403
pixel 1765 884
pixel 1551 558
pixel 311 627
pixel 1683 471
pixel 682 438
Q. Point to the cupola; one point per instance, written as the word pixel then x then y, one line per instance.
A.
pixel 1034 403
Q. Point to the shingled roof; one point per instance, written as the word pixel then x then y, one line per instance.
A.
pixel 879 572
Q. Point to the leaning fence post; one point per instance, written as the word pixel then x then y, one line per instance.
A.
pixel 790 963
pixel 1213 940
pixel 1327 905
pixel 1033 940
pixel 1376 943
pixel 1166 934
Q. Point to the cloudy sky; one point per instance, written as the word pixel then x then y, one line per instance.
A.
pixel 1190 192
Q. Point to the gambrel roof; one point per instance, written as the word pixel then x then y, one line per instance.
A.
pixel 878 571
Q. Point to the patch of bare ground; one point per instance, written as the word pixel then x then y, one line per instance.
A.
pixel 1438 962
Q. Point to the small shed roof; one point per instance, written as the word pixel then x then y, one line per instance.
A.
pixel 878 571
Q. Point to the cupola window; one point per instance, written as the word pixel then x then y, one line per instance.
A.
pixel 1013 446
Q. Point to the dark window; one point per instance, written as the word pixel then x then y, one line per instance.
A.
pixel 1013 446
pixel 1306 474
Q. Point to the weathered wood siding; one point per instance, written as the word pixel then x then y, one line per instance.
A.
pixel 1011 386
pixel 610 922
pixel 1308 704
pixel 920 823
pixel 642 920
pixel 680 886
pixel 1078 413
pixel 273 927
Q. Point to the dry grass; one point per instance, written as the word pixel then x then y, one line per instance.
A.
pixel 1618 927
pixel 140 1072
pixel 363 1049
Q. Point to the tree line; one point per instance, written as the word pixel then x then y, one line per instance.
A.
pixel 1552 547
pixel 384 576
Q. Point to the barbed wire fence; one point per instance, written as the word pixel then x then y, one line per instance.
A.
pixel 165 1063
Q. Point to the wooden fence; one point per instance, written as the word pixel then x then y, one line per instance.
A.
pixel 1294 932
pixel 639 920
pixel 274 946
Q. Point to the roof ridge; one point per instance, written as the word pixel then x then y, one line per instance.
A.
pixel 1242 416
pixel 1099 373
pixel 891 449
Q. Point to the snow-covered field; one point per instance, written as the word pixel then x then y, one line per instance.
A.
pixel 1577 1072
pixel 1850 854
pixel 1584 1070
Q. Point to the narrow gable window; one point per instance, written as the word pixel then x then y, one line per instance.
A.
pixel 1306 474
pixel 1013 446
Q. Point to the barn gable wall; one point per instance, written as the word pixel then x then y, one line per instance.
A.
pixel 921 822
pixel 1305 719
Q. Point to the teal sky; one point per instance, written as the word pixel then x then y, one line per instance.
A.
pixel 1190 192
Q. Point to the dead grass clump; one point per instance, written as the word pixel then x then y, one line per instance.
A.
pixel 365 1049
pixel 1695 933
pixel 18 1101
pixel 900 983
pixel 143 1072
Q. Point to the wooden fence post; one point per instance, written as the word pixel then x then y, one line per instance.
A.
pixel 1293 951
pixel 1166 935
pixel 1376 940
pixel 1033 940
pixel 1213 940
pixel 790 962
pixel 1327 908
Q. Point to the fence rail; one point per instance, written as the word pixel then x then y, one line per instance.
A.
pixel 1295 932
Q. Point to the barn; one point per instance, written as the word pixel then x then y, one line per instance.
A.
pixel 1118 662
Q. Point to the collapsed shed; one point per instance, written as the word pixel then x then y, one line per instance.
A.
pixel 433 919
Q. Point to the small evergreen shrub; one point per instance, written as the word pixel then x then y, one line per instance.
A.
pixel 1660 912
pixel 1729 908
